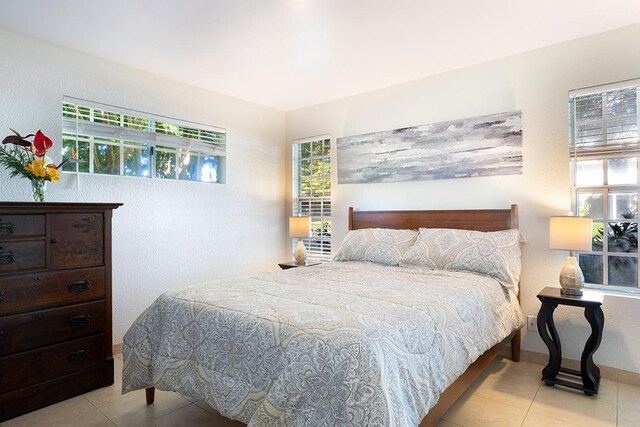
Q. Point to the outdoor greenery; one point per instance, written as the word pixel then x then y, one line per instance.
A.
pixel 120 157
pixel 621 237
pixel 604 134
pixel 312 192
pixel 619 107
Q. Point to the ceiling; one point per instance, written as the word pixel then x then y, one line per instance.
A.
pixel 288 54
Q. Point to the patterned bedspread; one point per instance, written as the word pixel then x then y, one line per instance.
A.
pixel 346 344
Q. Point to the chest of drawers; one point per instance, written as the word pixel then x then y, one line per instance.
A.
pixel 55 302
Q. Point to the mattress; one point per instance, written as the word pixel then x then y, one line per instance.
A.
pixel 345 343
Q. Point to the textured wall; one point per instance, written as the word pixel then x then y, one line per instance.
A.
pixel 168 233
pixel 537 83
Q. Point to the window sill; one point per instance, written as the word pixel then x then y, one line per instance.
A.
pixel 70 173
pixel 616 292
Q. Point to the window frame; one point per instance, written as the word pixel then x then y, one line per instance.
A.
pixel 210 142
pixel 603 151
pixel 324 241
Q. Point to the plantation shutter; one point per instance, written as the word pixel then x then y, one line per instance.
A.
pixel 312 191
pixel 605 151
pixel 604 121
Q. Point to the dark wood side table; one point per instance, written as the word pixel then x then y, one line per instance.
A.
pixel 591 301
pixel 293 264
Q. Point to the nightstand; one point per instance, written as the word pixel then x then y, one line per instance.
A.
pixel 591 301
pixel 293 264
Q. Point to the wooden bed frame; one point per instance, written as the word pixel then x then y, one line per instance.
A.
pixel 480 220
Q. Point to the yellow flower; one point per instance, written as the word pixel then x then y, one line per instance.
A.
pixel 36 168
pixel 53 173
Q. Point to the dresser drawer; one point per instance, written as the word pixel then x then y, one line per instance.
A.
pixel 31 367
pixel 21 255
pixel 21 226
pixel 35 291
pixel 76 240
pixel 39 328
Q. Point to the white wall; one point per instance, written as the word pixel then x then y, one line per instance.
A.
pixel 168 233
pixel 175 233
pixel 537 83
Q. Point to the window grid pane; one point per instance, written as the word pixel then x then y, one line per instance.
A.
pixel 608 119
pixel 122 157
pixel 312 193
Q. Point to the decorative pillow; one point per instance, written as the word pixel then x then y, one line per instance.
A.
pixel 495 254
pixel 379 245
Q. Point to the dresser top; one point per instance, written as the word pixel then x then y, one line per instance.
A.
pixel 27 207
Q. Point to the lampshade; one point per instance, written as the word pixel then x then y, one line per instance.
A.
pixel 300 226
pixel 571 233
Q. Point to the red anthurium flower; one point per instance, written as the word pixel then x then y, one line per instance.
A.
pixel 41 143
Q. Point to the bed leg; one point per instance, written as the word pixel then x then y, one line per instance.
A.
pixel 515 347
pixel 150 393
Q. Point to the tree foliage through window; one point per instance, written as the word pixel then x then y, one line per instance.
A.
pixel 119 143
pixel 605 150
pixel 312 193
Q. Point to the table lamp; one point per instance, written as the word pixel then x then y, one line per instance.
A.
pixel 300 226
pixel 570 233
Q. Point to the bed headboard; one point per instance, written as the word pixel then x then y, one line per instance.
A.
pixel 472 219
pixel 468 219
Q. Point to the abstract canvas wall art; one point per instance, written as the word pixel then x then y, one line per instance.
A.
pixel 478 146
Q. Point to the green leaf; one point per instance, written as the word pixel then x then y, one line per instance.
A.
pixel 15 159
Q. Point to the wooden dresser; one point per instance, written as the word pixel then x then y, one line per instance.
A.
pixel 55 302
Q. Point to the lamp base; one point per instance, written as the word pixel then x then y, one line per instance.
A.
pixel 300 253
pixel 571 277
pixel 571 292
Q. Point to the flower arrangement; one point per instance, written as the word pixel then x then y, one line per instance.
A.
pixel 29 159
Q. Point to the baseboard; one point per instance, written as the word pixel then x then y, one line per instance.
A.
pixel 615 374
pixel 117 348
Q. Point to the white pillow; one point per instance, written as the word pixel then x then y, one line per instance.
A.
pixel 380 245
pixel 496 254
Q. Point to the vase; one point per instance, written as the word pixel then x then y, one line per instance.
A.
pixel 38 189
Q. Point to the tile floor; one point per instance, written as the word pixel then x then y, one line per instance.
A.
pixel 506 394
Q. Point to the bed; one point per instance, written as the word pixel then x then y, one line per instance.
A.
pixel 346 343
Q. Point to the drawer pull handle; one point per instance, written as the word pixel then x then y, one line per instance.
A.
pixel 78 355
pixel 6 256
pixel 80 320
pixel 6 228
pixel 78 286
pixel 2 335
pixel 54 241
pixel 1 296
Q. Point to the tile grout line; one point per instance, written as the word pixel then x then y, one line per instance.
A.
pixel 189 402
pixel 531 404
pixel 170 412
pixel 141 425
pixel 617 402
pixel 450 422
pixel 506 403
pixel 98 409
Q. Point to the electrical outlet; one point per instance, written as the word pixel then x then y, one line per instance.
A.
pixel 532 323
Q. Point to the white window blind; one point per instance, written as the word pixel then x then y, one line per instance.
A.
pixel 119 141
pixel 312 192
pixel 605 148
